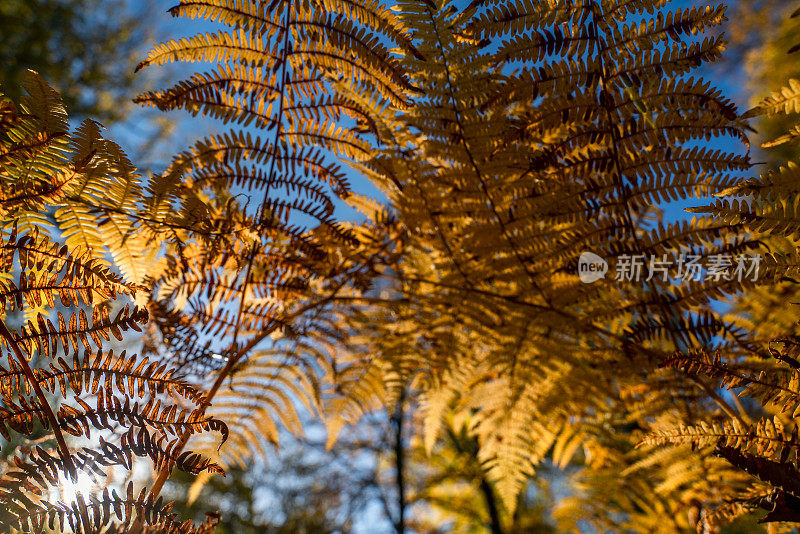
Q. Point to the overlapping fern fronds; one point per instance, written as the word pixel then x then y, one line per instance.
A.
pixel 546 131
pixel 301 85
pixel 90 183
pixel 514 137
pixel 760 439
pixel 59 318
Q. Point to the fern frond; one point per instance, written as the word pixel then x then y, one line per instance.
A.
pixel 785 101
pixel 93 191
pixel 44 337
pixel 777 386
pixel 110 411
pixel 777 474
pixel 765 439
pixel 109 511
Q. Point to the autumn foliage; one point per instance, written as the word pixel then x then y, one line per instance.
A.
pixel 192 317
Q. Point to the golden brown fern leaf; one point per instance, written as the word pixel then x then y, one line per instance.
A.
pixel 274 73
pixel 88 181
pixel 768 205
pixel 546 131
pixel 302 84
pixel 69 297
pixel 105 512
pixel 101 390
pixel 315 366
pixel 767 448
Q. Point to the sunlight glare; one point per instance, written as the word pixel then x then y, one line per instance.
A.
pixel 68 490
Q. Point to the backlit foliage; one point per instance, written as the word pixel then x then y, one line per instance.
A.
pixel 527 133
pixel 508 137
pixel 762 444
pixel 301 84
pixel 68 301
pixel 546 131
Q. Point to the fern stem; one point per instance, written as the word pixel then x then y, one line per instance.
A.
pixel 63 449
pixel 491 505
pixel 724 406
pixel 399 462
pixel 278 126
pixel 489 496
pixel 165 473
pixel 741 409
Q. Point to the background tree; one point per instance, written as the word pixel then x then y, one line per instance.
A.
pixel 451 492
pixel 85 53
pixel 302 488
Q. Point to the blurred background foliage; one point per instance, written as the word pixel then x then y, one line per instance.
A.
pixel 762 33
pixel 87 54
